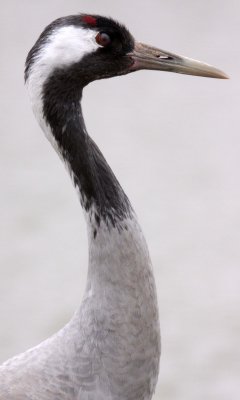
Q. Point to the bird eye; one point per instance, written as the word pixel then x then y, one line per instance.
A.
pixel 103 39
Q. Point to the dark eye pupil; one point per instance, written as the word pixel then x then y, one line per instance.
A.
pixel 103 39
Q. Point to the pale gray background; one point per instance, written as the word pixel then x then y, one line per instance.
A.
pixel 173 142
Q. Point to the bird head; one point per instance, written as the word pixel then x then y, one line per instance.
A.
pixel 81 48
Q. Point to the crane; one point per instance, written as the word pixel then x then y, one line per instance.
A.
pixel 110 349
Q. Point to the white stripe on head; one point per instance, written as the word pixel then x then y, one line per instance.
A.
pixel 68 45
pixel 65 46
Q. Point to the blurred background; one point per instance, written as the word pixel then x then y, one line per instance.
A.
pixel 173 142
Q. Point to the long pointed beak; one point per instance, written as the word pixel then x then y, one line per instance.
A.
pixel 148 57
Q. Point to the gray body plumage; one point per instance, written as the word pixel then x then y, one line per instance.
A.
pixel 110 348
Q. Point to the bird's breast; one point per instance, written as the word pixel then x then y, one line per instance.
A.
pixel 119 311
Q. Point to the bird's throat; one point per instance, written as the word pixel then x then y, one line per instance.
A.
pixel 97 185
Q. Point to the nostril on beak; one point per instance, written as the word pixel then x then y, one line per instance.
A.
pixel 164 57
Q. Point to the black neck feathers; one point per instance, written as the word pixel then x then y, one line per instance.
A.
pixel 98 186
